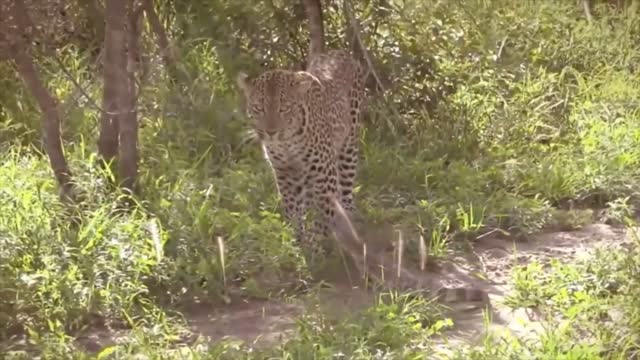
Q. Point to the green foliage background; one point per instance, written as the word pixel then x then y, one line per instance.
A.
pixel 496 114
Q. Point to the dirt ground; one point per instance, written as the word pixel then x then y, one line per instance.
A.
pixel 267 322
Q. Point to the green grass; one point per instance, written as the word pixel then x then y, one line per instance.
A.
pixel 590 307
pixel 502 117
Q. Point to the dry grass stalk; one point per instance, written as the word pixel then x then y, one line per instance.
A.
pixel 221 255
pixel 423 253
pixel 400 252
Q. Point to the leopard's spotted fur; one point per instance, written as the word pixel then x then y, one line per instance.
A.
pixel 308 123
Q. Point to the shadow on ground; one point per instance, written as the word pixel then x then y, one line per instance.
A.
pixel 268 322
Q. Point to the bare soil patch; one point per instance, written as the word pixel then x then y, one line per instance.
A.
pixel 487 267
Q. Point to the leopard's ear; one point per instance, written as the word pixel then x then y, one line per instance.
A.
pixel 303 81
pixel 242 80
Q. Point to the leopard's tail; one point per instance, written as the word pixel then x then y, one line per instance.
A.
pixel 461 294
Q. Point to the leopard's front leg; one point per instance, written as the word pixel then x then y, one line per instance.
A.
pixel 323 189
pixel 290 183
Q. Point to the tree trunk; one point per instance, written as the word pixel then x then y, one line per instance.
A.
pixel 47 103
pixel 128 161
pixel 115 79
pixel 313 9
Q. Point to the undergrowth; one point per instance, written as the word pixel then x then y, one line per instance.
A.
pixel 589 308
pixel 500 117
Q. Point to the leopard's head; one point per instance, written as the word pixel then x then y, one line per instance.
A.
pixel 276 101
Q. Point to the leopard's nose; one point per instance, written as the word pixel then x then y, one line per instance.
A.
pixel 270 132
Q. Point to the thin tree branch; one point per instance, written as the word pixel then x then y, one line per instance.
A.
pixel 78 91
pixel 48 104
pixel 167 52
pixel 24 18
pixel 355 26
pixel 79 87
pixel 586 6
pixel 287 28
pixel 313 8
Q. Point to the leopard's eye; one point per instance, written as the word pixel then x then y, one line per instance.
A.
pixel 285 106
pixel 256 108
pixel 285 109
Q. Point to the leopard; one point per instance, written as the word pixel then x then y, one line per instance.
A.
pixel 308 123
